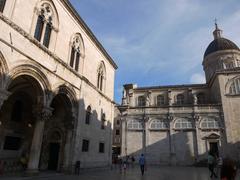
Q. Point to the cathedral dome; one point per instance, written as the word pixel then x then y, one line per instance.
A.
pixel 219 43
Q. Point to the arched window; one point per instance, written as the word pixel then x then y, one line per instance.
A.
pixel 101 77
pixel 183 124
pixel 210 123
pixel 201 98
pixel 180 99
pixel 75 52
pixel 2 5
pixel 229 64
pixel 141 101
pixel 17 110
pixel 135 125
pixel 235 87
pixel 158 124
pixel 160 100
pixel 88 115
pixel 44 24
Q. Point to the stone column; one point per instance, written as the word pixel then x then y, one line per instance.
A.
pixel 3 96
pixel 68 146
pixel 34 155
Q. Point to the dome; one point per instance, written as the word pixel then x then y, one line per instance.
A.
pixel 219 44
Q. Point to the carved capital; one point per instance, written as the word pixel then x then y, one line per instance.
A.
pixel 46 114
pixel 3 96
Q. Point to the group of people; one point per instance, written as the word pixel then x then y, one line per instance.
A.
pixel 226 167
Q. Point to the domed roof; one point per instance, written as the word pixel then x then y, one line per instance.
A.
pixel 220 44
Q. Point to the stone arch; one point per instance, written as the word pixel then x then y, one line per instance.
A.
pixel 101 76
pixel 229 83
pixel 35 73
pixel 53 8
pixel 3 70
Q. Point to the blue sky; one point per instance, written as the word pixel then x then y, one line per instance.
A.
pixel 158 42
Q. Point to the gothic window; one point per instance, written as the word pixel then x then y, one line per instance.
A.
pixel 183 124
pixel 103 121
pixel 100 77
pixel 235 87
pixel 160 100
pixel 210 123
pixel 88 115
pixel 44 25
pixel 17 111
pixel 180 99
pixel 2 5
pixel 158 124
pixel 201 98
pixel 141 101
pixel 135 125
pixel 117 132
pixel 75 52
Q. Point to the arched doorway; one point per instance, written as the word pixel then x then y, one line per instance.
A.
pixel 58 135
pixel 18 120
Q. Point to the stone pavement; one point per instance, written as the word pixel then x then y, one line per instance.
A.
pixel 153 173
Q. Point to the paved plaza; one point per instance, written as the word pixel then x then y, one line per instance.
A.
pixel 153 173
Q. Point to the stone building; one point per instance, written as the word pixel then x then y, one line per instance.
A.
pixel 56 88
pixel 116 141
pixel 180 124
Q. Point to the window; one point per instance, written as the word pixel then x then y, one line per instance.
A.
pixel 201 98
pixel 101 147
pixel 235 87
pixel 183 124
pixel 12 143
pixel 88 115
pixel 180 99
pixel 229 65
pixel 85 145
pixel 158 124
pixel 103 120
pixel 75 52
pixel 141 101
pixel 44 25
pixel 100 77
pixel 117 132
pixel 2 5
pixel 135 124
pixel 210 123
pixel 160 100
pixel 118 122
pixel 17 111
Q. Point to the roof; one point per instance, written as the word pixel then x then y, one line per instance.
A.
pixel 88 31
pixel 173 86
pixel 219 44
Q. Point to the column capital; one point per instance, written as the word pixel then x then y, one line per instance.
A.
pixel 3 96
pixel 42 113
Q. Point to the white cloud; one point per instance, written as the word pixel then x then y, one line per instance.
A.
pixel 197 78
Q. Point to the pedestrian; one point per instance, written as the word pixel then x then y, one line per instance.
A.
pixel 24 161
pixel 219 164
pixel 77 167
pixel 124 166
pixel 120 164
pixel 211 164
pixel 228 170
pixel 142 163
pixel 133 161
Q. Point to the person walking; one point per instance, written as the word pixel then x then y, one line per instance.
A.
pixel 211 164
pixel 133 161
pixel 142 163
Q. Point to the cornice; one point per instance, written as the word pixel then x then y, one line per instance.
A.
pixel 75 14
pixel 43 48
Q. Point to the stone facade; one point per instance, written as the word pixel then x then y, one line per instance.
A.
pixel 56 88
pixel 180 124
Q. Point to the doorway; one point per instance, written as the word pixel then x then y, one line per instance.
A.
pixel 214 148
pixel 54 149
